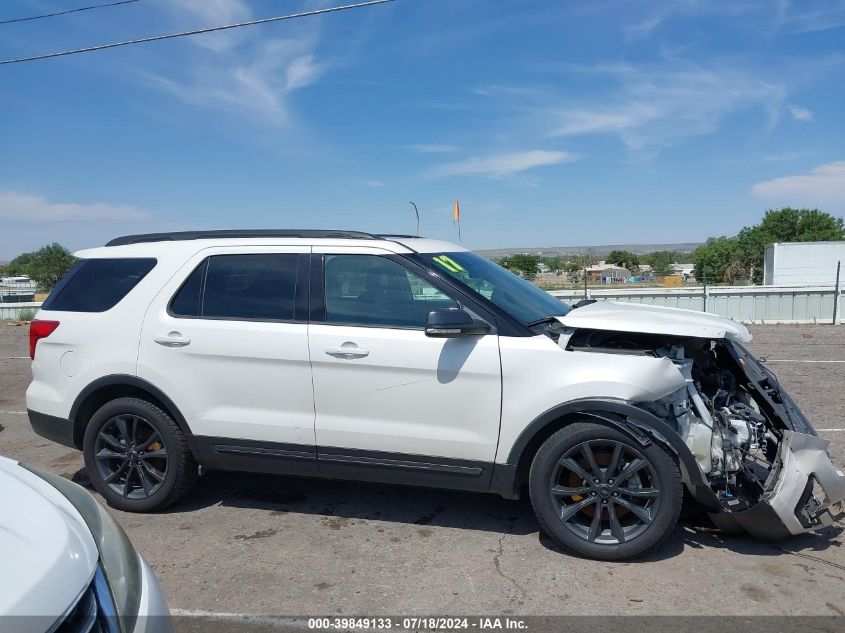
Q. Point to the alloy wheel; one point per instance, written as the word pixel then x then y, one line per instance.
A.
pixel 131 456
pixel 605 491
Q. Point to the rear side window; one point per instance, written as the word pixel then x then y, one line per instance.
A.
pixel 97 285
pixel 254 287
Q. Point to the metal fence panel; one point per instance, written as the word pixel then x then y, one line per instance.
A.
pixel 14 311
pixel 748 304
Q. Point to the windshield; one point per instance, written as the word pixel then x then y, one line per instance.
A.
pixel 514 295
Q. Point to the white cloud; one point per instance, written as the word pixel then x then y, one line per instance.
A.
pixel 434 148
pixel 494 90
pixel 500 165
pixel 246 73
pixel 800 113
pixel 809 16
pixel 642 29
pixel 823 187
pixel 578 122
pixel 18 207
pixel 205 13
pixel 657 106
pixel 303 71
pixel 784 156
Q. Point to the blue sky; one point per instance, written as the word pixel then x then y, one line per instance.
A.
pixel 553 123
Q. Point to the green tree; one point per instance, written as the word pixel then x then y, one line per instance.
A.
pixel 626 259
pixel 554 262
pixel 715 257
pixel 18 266
pixel 660 261
pixel 46 266
pixel 526 264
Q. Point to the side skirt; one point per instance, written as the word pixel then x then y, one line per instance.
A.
pixel 249 456
pixel 400 468
pixel 219 453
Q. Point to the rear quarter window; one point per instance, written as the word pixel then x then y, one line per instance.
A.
pixel 97 285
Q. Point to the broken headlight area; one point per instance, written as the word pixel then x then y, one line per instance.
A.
pixel 766 470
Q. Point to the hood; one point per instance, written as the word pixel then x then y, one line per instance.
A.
pixel 49 556
pixel 636 317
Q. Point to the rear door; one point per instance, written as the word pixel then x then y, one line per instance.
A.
pixel 227 340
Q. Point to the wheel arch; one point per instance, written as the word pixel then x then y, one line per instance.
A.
pixel 108 388
pixel 638 424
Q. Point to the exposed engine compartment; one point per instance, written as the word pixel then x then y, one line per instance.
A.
pixel 756 451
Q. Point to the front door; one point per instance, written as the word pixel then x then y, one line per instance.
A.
pixel 392 403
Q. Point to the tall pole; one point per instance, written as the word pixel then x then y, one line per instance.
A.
pixel 417 211
pixel 456 219
pixel 585 282
pixel 704 274
pixel 836 294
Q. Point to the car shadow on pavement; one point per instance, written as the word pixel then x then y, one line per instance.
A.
pixel 361 500
pixel 455 509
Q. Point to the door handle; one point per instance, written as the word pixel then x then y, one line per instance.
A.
pixel 173 339
pixel 347 350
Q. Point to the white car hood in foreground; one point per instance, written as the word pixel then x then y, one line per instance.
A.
pixel 48 553
pixel 635 317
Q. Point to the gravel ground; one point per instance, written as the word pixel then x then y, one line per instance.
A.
pixel 275 545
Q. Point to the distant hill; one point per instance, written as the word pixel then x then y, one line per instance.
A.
pixel 551 251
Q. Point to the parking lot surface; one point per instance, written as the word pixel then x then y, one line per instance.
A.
pixel 255 544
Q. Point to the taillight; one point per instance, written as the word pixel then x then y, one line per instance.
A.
pixel 38 330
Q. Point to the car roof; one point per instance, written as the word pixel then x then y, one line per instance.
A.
pixel 159 244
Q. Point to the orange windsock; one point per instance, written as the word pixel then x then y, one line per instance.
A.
pixel 456 216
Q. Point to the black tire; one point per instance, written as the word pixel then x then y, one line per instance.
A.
pixel 638 492
pixel 137 457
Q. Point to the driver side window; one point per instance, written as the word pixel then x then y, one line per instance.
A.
pixel 371 290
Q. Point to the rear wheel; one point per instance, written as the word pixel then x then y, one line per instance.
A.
pixel 136 456
pixel 603 495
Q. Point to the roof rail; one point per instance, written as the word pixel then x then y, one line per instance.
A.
pixel 238 233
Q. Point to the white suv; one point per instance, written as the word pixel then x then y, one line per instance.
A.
pixel 406 360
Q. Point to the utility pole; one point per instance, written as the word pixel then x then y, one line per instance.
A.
pixel 586 292
pixel 418 217
pixel 836 295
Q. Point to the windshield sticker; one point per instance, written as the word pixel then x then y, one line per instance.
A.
pixel 448 263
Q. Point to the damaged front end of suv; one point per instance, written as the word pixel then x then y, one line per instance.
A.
pixel 761 466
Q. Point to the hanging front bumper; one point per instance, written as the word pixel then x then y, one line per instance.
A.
pixel 804 492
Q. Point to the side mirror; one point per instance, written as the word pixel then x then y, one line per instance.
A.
pixel 452 323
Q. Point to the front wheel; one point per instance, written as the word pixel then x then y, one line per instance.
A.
pixel 136 456
pixel 601 494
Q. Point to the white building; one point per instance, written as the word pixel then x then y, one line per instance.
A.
pixel 687 271
pixel 802 263
pixel 607 273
